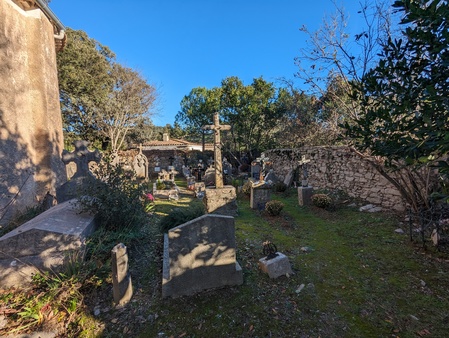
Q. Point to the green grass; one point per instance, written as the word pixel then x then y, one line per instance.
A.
pixel 361 280
pixel 358 278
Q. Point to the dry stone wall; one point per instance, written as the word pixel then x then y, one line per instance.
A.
pixel 337 167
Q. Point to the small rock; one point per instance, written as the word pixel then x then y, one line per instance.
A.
pixel 352 205
pixel 413 317
pixel 3 321
pixel 97 311
pixel 423 283
pixel 399 231
pixel 13 263
pixel 114 320
pixel 375 209
pixel 366 207
pixel 298 290
pixel 306 249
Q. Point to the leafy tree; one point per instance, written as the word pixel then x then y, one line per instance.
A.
pixel 252 112
pixel 405 97
pixel 100 99
pixel 84 68
pixel 197 110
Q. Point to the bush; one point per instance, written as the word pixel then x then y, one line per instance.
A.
pixel 321 201
pixel 274 208
pixel 246 188
pixel 116 198
pixel 180 216
pixel 280 187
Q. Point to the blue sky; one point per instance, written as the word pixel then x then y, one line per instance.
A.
pixel 178 45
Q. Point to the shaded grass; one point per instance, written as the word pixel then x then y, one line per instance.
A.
pixel 360 279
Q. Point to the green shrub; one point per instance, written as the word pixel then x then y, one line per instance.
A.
pixel 246 188
pixel 116 199
pixel 274 208
pixel 321 201
pixel 280 187
pixel 180 216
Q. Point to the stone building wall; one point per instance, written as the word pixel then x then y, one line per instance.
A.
pixel 335 167
pixel 31 140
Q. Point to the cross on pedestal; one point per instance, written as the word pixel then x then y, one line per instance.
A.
pixel 216 127
pixel 81 156
pixel 303 163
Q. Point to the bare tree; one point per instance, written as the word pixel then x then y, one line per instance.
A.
pixel 130 102
pixel 332 55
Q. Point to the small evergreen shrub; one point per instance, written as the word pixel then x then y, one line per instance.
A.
pixel 246 188
pixel 321 201
pixel 115 198
pixel 180 216
pixel 274 208
pixel 280 187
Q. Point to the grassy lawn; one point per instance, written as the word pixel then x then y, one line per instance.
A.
pixel 353 277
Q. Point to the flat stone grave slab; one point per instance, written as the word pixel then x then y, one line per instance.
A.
pixel 43 242
pixel 200 255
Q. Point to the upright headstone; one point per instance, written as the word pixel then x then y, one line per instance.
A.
pixel 140 165
pixel 305 192
pixel 260 195
pixel 122 288
pixel 200 255
pixel 82 157
pixel 219 199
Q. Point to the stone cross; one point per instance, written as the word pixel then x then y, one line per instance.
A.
pixel 81 156
pixel 303 163
pixel 216 127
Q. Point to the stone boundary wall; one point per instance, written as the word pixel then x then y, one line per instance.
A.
pixel 337 167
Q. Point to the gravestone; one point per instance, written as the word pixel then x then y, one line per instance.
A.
pixel 271 176
pixel 260 195
pixel 122 288
pixel 288 180
pixel 140 165
pixel 81 157
pixel 219 199
pixel 43 242
pixel 305 192
pixel 200 255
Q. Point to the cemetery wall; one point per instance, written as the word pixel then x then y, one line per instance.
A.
pixel 337 167
pixel 31 140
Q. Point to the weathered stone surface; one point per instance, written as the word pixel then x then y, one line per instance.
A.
pixel 260 196
pixel 221 201
pixel 43 242
pixel 337 167
pixel 277 266
pixel 31 140
pixel 305 195
pixel 122 288
pixel 200 255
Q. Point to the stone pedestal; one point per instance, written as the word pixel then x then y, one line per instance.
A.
pixel 277 266
pixel 305 195
pixel 221 201
pixel 260 196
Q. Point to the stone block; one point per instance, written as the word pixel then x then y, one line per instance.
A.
pixel 277 266
pixel 200 255
pixel 221 201
pixel 260 196
pixel 43 242
pixel 305 195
